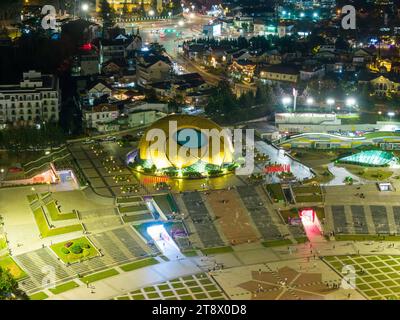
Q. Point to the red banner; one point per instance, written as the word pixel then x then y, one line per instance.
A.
pixel 277 168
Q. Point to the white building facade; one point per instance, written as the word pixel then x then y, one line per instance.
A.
pixel 34 100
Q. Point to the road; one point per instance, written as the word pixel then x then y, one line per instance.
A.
pixel 192 28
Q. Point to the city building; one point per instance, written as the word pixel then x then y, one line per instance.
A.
pixel 152 68
pixel 212 30
pixel 279 73
pixel 188 139
pixel 34 100
pixel 101 114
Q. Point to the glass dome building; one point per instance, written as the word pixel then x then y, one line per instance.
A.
pixel 183 145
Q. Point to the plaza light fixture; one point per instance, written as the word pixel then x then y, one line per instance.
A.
pixel 169 14
pixel 391 114
pixel 302 14
pixel 151 13
pixel 85 7
pixel 330 101
pixel 286 100
pixel 350 102
pixel 181 23
pixel 310 101
pixel 315 15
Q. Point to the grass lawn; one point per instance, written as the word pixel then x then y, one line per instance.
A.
pixel 190 253
pixel 32 197
pixel 44 229
pixel 133 208
pixel 276 243
pixel 379 280
pixel 38 296
pixel 306 189
pixel 275 192
pixel 139 264
pixel 309 198
pixel 374 174
pixel 154 295
pixel 381 134
pixel 217 250
pixel 301 239
pixel 64 287
pixel 365 237
pixel 56 215
pixel 3 242
pixel 99 276
pixel 6 262
pixel 84 250
pixel 129 199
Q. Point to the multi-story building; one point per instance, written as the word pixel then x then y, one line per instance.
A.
pixel 112 49
pixel 100 114
pixel 279 73
pixel 152 68
pixel 35 99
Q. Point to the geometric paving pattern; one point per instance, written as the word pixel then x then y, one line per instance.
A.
pixel 195 287
pixel 380 279
pixel 286 284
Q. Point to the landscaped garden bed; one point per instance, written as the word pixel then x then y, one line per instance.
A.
pixel 75 250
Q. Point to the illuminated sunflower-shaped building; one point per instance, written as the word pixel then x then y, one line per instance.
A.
pixel 183 145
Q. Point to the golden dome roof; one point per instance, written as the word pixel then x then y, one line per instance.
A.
pixel 181 141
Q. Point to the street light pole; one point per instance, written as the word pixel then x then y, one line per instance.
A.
pixel 294 99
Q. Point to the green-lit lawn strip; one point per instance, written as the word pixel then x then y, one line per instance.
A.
pixel 217 250
pixel 38 296
pixel 64 287
pixel 276 243
pixel 45 231
pixel 55 213
pixel 139 264
pixel 99 276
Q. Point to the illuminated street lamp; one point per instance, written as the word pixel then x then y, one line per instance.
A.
pixel 315 15
pixel 310 101
pixel 85 7
pixel 181 23
pixel 350 102
pixel 330 102
pixel 286 101
pixel 169 14
pixel 151 13
pixel 302 15
pixel 391 115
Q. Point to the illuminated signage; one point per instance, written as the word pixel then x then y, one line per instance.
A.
pixel 277 168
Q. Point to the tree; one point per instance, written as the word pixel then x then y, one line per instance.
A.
pixel 263 95
pixel 341 44
pixel 9 287
pixel 157 48
pixel 10 9
pixel 125 9
pixel 107 14
pixel 222 100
